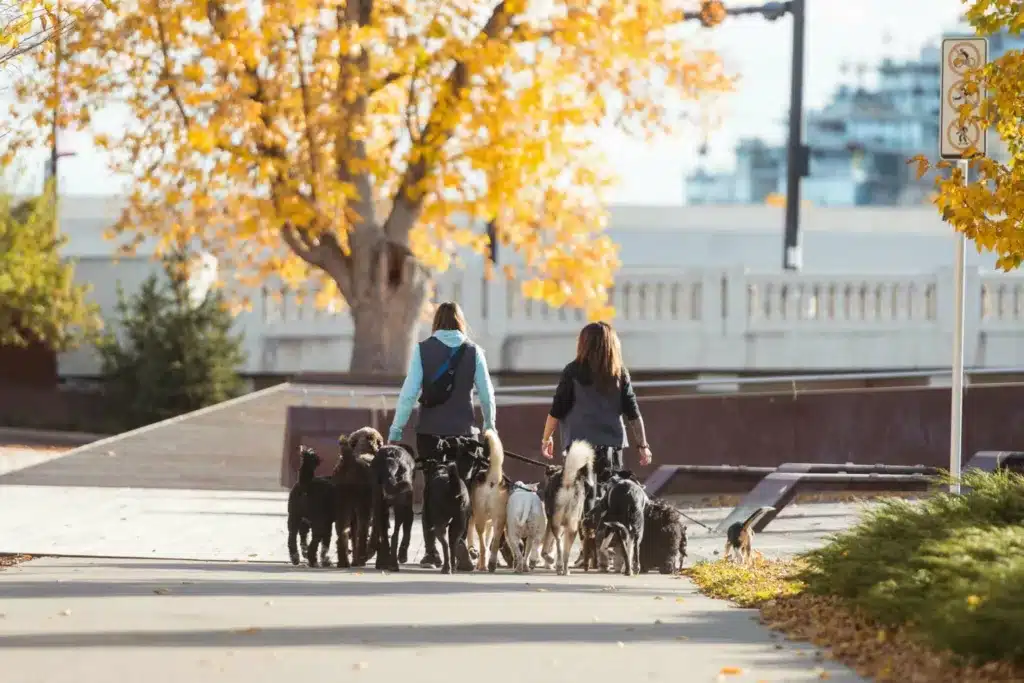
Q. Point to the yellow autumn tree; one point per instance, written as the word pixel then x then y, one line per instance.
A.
pixel 357 143
pixel 990 209
pixel 26 25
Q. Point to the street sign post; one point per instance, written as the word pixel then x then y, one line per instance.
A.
pixel 958 141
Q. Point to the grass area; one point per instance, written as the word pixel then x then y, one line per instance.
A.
pixel 932 591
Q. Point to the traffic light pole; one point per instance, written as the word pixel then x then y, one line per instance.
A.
pixel 797 161
pixel 796 155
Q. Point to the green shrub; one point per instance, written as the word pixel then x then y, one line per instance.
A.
pixel 170 355
pixel 951 566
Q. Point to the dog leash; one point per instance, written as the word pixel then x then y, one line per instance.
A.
pixel 695 521
pixel 523 458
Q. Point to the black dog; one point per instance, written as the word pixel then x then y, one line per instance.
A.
pixel 311 504
pixel 449 510
pixel 353 478
pixel 623 521
pixel 471 457
pixel 393 467
pixel 664 543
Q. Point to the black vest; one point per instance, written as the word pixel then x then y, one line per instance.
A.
pixel 454 417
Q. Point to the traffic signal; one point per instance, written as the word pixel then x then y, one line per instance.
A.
pixel 712 13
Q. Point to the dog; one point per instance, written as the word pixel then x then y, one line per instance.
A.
pixel 664 543
pixel 622 522
pixel 739 537
pixel 311 505
pixel 525 524
pixel 449 512
pixel 472 458
pixel 565 495
pixel 353 480
pixel 392 467
pixel 488 494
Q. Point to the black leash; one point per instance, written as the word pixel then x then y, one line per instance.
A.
pixel 695 521
pixel 523 458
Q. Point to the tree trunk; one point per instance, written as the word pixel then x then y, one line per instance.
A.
pixel 387 311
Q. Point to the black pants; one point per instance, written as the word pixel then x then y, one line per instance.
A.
pixel 427 449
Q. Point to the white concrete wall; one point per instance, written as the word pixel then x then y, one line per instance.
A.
pixel 700 289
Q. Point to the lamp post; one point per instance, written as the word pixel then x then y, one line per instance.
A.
pixel 712 13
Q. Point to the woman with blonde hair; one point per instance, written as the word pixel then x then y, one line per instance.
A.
pixel 444 370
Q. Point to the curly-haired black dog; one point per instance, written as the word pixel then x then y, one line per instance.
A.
pixel 622 523
pixel 311 504
pixel 450 509
pixel 353 479
pixel 664 544
pixel 393 467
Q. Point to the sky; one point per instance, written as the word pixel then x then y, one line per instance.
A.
pixel 838 32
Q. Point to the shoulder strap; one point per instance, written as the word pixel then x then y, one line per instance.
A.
pixel 451 362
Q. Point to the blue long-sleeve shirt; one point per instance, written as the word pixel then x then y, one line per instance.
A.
pixel 413 385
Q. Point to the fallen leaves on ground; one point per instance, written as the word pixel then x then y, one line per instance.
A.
pixel 11 559
pixel 854 640
pixel 850 636
pixel 746 585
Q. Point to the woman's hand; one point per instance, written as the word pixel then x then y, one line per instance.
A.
pixel 645 455
pixel 547 447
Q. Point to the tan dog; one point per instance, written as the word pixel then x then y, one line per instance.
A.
pixel 488 497
pixel 739 538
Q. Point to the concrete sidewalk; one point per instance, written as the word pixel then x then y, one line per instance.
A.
pixel 108 621
pixel 250 526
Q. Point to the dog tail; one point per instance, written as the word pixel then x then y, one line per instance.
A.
pixel 580 455
pixel 496 453
pixel 307 464
pixel 736 530
pixel 454 480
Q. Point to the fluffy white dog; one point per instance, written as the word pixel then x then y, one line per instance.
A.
pixel 525 524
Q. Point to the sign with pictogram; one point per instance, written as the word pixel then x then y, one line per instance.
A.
pixel 961 60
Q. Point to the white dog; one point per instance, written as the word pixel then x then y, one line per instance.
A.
pixel 526 524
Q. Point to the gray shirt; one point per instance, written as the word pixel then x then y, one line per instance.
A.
pixel 586 412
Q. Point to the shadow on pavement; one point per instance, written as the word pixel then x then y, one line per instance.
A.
pixel 709 628
pixel 282 588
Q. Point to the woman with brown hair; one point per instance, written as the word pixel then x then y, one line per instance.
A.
pixel 593 396
pixel 443 371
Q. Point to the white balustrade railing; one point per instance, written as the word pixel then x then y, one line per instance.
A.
pixel 714 319
pixel 661 298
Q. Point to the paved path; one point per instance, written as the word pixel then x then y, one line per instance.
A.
pixel 239 525
pixel 76 621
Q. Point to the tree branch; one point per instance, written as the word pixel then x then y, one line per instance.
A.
pixel 409 197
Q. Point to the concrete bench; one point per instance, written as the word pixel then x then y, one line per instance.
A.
pixel 740 477
pixel 778 489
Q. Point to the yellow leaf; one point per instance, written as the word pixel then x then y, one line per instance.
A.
pixel 730 671
pixel 201 139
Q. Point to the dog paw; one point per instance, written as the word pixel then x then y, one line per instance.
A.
pixel 295 560
pixel 403 556
pixel 492 566
pixel 446 569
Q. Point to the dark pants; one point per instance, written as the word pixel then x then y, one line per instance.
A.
pixel 427 449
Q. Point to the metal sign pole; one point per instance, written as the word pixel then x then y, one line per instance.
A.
pixel 956 418
pixel 960 137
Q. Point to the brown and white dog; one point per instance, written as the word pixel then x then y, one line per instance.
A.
pixel 564 498
pixel 488 494
pixel 739 537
